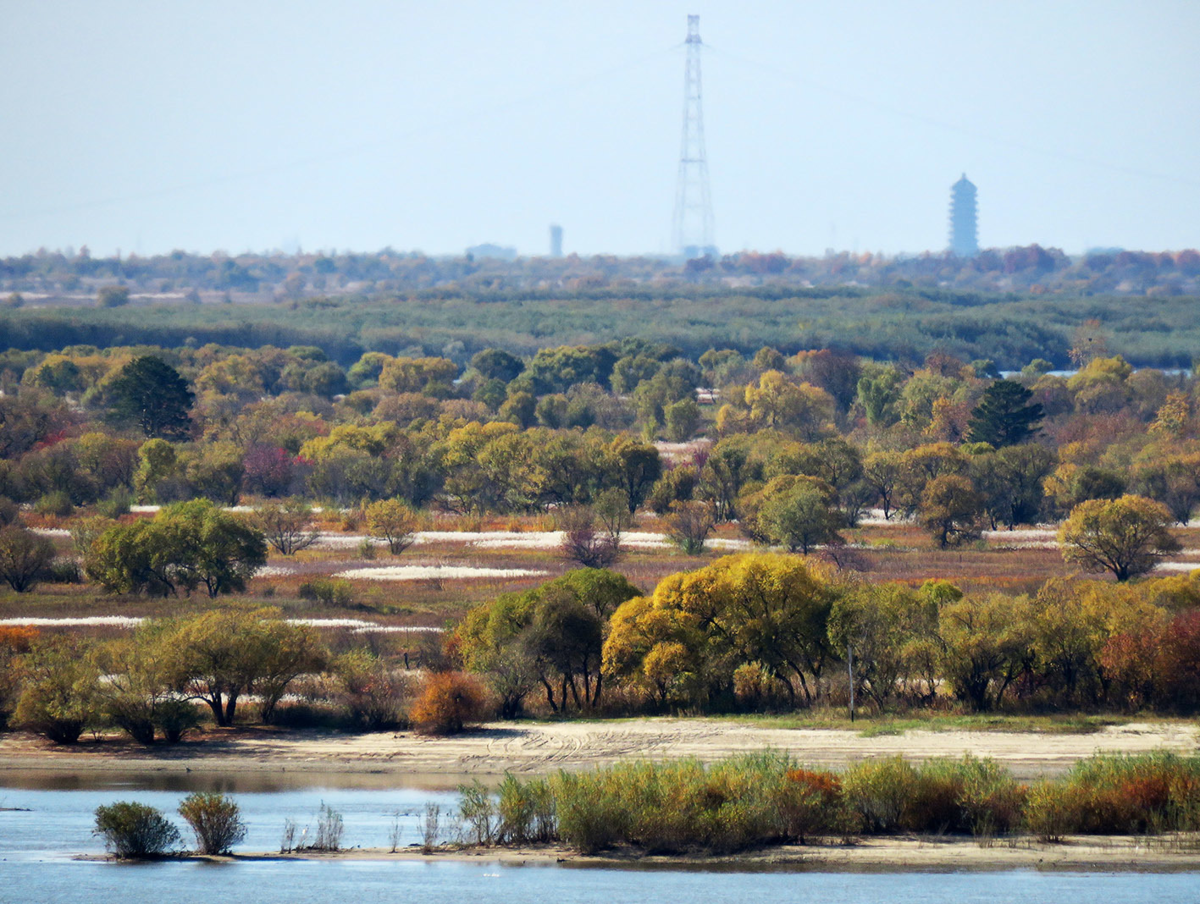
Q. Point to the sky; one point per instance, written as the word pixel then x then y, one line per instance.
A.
pixel 150 126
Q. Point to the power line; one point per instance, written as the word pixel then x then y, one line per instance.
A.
pixel 998 140
pixel 346 151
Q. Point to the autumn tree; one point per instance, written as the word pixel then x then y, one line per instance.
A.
pixel 688 524
pixel 286 525
pixel 393 521
pixel 886 628
pixel 187 545
pixel 951 510
pixel 801 516
pixel 1126 536
pixel 220 656
pixel 987 644
pixel 696 628
pixel 59 693
pixel 24 557
pixel 549 636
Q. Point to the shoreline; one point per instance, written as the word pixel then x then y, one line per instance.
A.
pixel 299 758
pixel 907 854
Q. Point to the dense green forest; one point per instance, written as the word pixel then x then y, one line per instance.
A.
pixel 902 325
pixel 1010 306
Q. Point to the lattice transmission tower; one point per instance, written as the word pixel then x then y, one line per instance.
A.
pixel 692 227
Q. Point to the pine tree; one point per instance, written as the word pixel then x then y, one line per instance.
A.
pixel 152 394
pixel 1004 416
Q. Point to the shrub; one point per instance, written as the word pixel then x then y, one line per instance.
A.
pixel 430 827
pixel 478 812
pixel 811 803
pixel 526 811
pixel 589 818
pixel 175 718
pixel 24 557
pixel 14 641
pixel 328 591
pixel 448 702
pixel 992 803
pixel 688 525
pixel 285 525
pixel 10 512
pixel 117 503
pixel 755 685
pixel 675 806
pixel 372 693
pixel 63 571
pixel 1051 811
pixel 215 819
pixel 57 503
pixel 132 830
pixel 584 541
pixel 878 791
pixel 60 696
pixel 329 830
pixel 112 296
pixel 1120 795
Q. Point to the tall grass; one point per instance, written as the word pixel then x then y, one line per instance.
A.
pixel 756 800
pixel 1117 795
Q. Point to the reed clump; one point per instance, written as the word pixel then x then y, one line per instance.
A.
pixel 757 800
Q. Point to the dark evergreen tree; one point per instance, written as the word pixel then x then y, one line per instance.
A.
pixel 497 364
pixel 151 393
pixel 1004 416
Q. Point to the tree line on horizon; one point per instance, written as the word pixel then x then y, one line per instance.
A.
pixel 290 276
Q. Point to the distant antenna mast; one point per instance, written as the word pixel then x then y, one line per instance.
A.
pixel 692 229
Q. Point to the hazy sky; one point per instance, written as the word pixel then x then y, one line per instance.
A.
pixel 353 125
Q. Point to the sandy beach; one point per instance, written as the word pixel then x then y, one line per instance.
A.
pixel 909 853
pixel 538 748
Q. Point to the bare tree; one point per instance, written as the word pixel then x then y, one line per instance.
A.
pixel 689 524
pixel 286 525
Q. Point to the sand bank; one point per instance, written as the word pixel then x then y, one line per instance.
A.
pixel 539 748
pixel 902 854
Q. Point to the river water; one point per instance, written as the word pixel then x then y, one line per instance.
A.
pixel 44 825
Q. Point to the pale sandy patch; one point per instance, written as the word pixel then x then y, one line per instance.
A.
pixel 434 572
pixel 89 621
pixel 274 571
pixel 874 518
pixel 1185 567
pixel 892 854
pixel 1027 544
pixel 359 626
pixel 327 540
pixel 733 545
pixel 534 748
pixel 1031 533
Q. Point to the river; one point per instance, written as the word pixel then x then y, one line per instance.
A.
pixel 46 823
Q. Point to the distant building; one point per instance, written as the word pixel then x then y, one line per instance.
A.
pixel 495 252
pixel 555 240
pixel 964 219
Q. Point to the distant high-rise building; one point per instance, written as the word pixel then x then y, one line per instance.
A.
pixel 555 240
pixel 964 219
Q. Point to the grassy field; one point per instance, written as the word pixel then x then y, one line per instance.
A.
pixel 878 552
